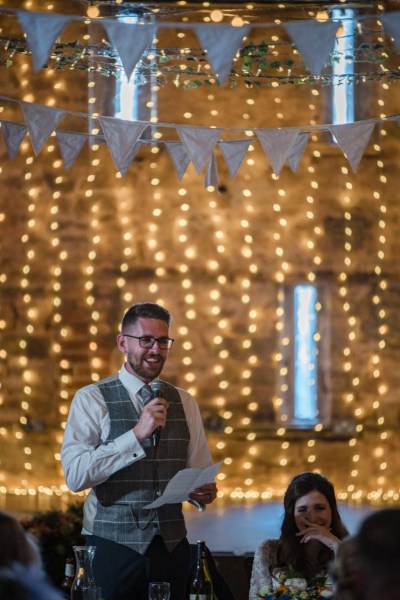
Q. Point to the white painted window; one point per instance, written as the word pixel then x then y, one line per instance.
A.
pixel 303 398
pixel 343 68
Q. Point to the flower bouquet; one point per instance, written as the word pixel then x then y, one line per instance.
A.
pixel 295 587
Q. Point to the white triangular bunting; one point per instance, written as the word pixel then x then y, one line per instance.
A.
pixel 13 134
pixel 70 146
pixel 179 156
pixel 276 144
pixel 314 40
pixel 211 177
pixel 41 122
pixel 353 139
pixel 296 151
pixel 234 153
pixel 222 43
pixel 122 139
pixel 391 24
pixel 199 143
pixel 41 30
pixel 130 41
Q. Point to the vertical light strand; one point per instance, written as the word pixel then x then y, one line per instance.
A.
pixel 4 325
pixel 246 283
pixel 214 264
pixel 96 234
pixel 156 224
pixel 60 252
pixel 351 321
pixel 315 261
pixel 95 245
pixel 381 452
pixel 282 329
pixel 24 283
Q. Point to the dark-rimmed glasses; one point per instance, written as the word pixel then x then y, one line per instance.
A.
pixel 148 341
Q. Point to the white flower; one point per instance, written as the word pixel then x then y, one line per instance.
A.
pixel 326 594
pixel 296 584
pixel 264 591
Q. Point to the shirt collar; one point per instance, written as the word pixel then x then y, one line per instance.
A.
pixel 132 383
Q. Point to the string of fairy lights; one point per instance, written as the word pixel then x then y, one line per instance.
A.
pixel 380 452
pixel 241 468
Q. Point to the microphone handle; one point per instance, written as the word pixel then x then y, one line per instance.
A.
pixel 155 436
pixel 200 507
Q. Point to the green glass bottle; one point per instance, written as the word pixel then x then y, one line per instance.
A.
pixel 201 587
pixel 69 578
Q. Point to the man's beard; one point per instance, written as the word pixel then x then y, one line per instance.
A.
pixel 146 372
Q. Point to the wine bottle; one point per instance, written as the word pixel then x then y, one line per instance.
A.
pixel 201 587
pixel 69 577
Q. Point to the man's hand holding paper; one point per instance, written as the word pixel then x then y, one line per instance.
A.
pixel 193 483
pixel 204 494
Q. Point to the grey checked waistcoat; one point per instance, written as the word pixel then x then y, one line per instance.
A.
pixel 120 516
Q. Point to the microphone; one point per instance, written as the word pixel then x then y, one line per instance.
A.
pixel 157 392
pixel 200 507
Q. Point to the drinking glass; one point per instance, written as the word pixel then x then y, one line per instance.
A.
pixel 159 590
pixel 91 593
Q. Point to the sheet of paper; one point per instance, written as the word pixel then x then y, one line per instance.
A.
pixel 184 482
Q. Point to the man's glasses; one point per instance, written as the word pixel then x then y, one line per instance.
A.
pixel 148 341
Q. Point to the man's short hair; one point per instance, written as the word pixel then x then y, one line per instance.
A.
pixel 145 310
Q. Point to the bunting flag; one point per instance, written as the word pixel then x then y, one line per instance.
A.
pixel 13 134
pixel 314 40
pixel 130 40
pixel 391 24
pixel 70 146
pixel 122 139
pixel 276 144
pixel 296 151
pixel 41 31
pixel 41 122
pixel 179 157
pixel 234 153
pixel 199 143
pixel 211 177
pixel 353 139
pixel 221 46
pixel 196 143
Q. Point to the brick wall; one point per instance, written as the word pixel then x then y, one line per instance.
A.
pixel 79 246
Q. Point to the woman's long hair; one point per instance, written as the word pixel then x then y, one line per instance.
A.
pixel 14 543
pixel 291 552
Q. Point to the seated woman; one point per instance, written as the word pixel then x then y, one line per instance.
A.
pixel 311 532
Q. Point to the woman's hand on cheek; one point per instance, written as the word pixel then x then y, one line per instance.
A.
pixel 313 531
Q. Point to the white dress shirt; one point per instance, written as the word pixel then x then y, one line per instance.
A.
pixel 87 461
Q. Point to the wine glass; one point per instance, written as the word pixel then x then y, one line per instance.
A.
pixel 159 590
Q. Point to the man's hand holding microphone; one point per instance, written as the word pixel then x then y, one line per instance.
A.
pixel 154 415
pixel 152 420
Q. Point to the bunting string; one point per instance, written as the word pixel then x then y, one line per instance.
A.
pixel 195 144
pixel 256 65
pixel 315 40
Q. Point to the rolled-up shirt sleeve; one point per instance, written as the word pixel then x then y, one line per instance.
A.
pixel 87 458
